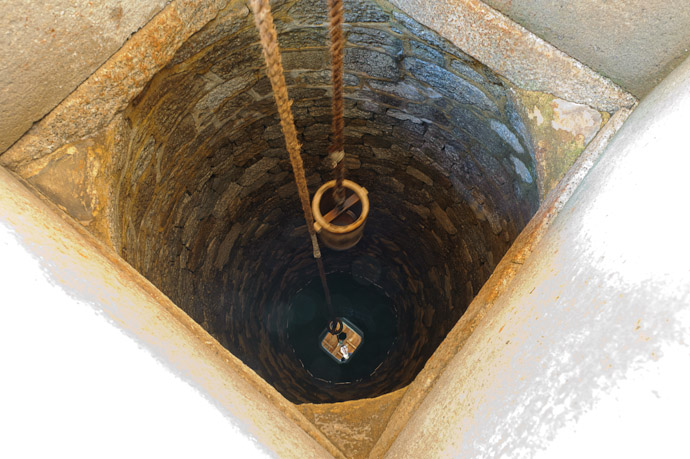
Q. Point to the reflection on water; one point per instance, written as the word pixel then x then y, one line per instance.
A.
pixel 362 303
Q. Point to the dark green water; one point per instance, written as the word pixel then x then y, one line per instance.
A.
pixel 362 303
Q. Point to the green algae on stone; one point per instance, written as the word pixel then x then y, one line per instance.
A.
pixel 559 130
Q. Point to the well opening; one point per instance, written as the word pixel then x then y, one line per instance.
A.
pixel 207 208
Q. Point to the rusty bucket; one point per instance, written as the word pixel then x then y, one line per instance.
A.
pixel 340 227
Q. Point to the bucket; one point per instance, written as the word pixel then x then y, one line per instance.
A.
pixel 340 228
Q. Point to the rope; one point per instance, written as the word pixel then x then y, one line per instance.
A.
pixel 274 70
pixel 337 150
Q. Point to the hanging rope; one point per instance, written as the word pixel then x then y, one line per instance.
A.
pixel 337 150
pixel 274 70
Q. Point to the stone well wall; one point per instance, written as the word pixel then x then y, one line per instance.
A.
pixel 208 210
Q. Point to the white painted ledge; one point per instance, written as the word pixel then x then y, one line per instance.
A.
pixel 587 352
pixel 97 363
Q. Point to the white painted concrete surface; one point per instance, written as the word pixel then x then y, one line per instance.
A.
pixel 589 353
pixel 636 43
pixel 97 363
pixel 74 385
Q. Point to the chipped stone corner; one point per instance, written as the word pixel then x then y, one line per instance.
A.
pixel 78 178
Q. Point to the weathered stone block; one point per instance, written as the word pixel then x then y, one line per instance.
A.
pixel 428 112
pixel 403 116
pixel 521 170
pixel 226 246
pixel 468 172
pixel 170 111
pixel 416 195
pixel 376 141
pixel 307 94
pixel 443 219
pixel 419 175
pixel 404 89
pixel 515 119
pixel 310 59
pixel 316 132
pixel 256 170
pixel 507 135
pixel 308 37
pixel 421 211
pixel 228 63
pixel 184 132
pixel 319 78
pixel 364 11
pixel 231 108
pixel 229 195
pixel 428 36
pixel 308 12
pixel 212 100
pixel 377 38
pixel 405 136
pixel 416 128
pixel 354 112
pixel 227 25
pixel 143 159
pixel 370 106
pixel 371 129
pixel 289 189
pixel 273 131
pixel 478 128
pixel 191 223
pixel 426 53
pixel 449 84
pixel 466 71
pixel 372 63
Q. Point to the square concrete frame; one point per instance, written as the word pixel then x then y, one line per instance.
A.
pixel 510 50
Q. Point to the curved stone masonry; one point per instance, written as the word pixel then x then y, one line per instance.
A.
pixel 209 212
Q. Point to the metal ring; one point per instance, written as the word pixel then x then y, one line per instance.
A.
pixel 335 326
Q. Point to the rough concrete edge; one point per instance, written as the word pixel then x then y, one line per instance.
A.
pixel 128 70
pixel 514 52
pixel 15 131
pixel 498 282
pixel 224 359
pixel 311 410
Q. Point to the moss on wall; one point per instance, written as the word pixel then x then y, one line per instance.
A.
pixel 559 131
